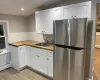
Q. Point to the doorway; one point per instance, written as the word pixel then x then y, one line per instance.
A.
pixel 97 47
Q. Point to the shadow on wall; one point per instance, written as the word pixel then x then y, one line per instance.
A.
pixel 48 38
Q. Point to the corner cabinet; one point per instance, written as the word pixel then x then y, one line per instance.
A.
pixel 36 58
pixel 44 21
pixel 20 56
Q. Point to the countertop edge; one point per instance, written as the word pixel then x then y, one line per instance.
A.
pixel 30 46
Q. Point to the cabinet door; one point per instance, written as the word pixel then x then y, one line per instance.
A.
pixel 21 54
pixel 38 60
pixel 68 12
pixel 50 64
pixel 43 61
pixel 44 21
pixel 48 21
pixel 28 56
pixel 57 13
pixel 14 57
pixel 81 11
pixel 39 21
pixel 34 58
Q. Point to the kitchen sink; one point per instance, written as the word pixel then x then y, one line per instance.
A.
pixel 43 44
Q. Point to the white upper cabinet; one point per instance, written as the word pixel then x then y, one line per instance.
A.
pixel 81 10
pixel 44 21
pixel 44 18
pixel 68 12
pixel 57 13
pixel 39 21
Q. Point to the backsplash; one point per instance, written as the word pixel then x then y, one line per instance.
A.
pixel 15 37
pixel 22 36
pixel 39 37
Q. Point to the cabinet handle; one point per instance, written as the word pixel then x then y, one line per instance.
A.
pixel 37 56
pixel 47 58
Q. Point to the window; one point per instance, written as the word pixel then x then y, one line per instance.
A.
pixel 2 43
pixel 2 37
pixel 1 30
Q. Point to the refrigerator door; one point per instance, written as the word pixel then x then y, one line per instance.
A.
pixel 77 32
pixel 61 35
pixel 70 32
pixel 68 64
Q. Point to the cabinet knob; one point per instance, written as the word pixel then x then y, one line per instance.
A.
pixel 75 17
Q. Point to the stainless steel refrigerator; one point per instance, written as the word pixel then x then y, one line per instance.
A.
pixel 72 49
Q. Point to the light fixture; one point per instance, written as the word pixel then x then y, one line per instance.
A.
pixel 22 9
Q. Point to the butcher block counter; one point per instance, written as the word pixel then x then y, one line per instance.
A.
pixel 32 44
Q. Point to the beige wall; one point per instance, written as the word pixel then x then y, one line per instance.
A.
pixel 16 23
pixel 31 23
pixel 97 39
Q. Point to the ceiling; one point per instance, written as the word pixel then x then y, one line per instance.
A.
pixel 13 7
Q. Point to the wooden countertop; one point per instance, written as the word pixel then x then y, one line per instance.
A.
pixel 32 44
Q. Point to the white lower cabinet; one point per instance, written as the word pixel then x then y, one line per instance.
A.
pixel 28 56
pixel 50 63
pixel 20 56
pixel 38 59
pixel 42 60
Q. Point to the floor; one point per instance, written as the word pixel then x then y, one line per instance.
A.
pixel 26 74
pixel 97 64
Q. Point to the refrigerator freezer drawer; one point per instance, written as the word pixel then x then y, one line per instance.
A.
pixel 68 64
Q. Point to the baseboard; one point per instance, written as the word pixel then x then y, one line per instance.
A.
pixel 40 73
pixel 5 66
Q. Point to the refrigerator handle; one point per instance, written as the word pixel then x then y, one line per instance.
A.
pixel 70 47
